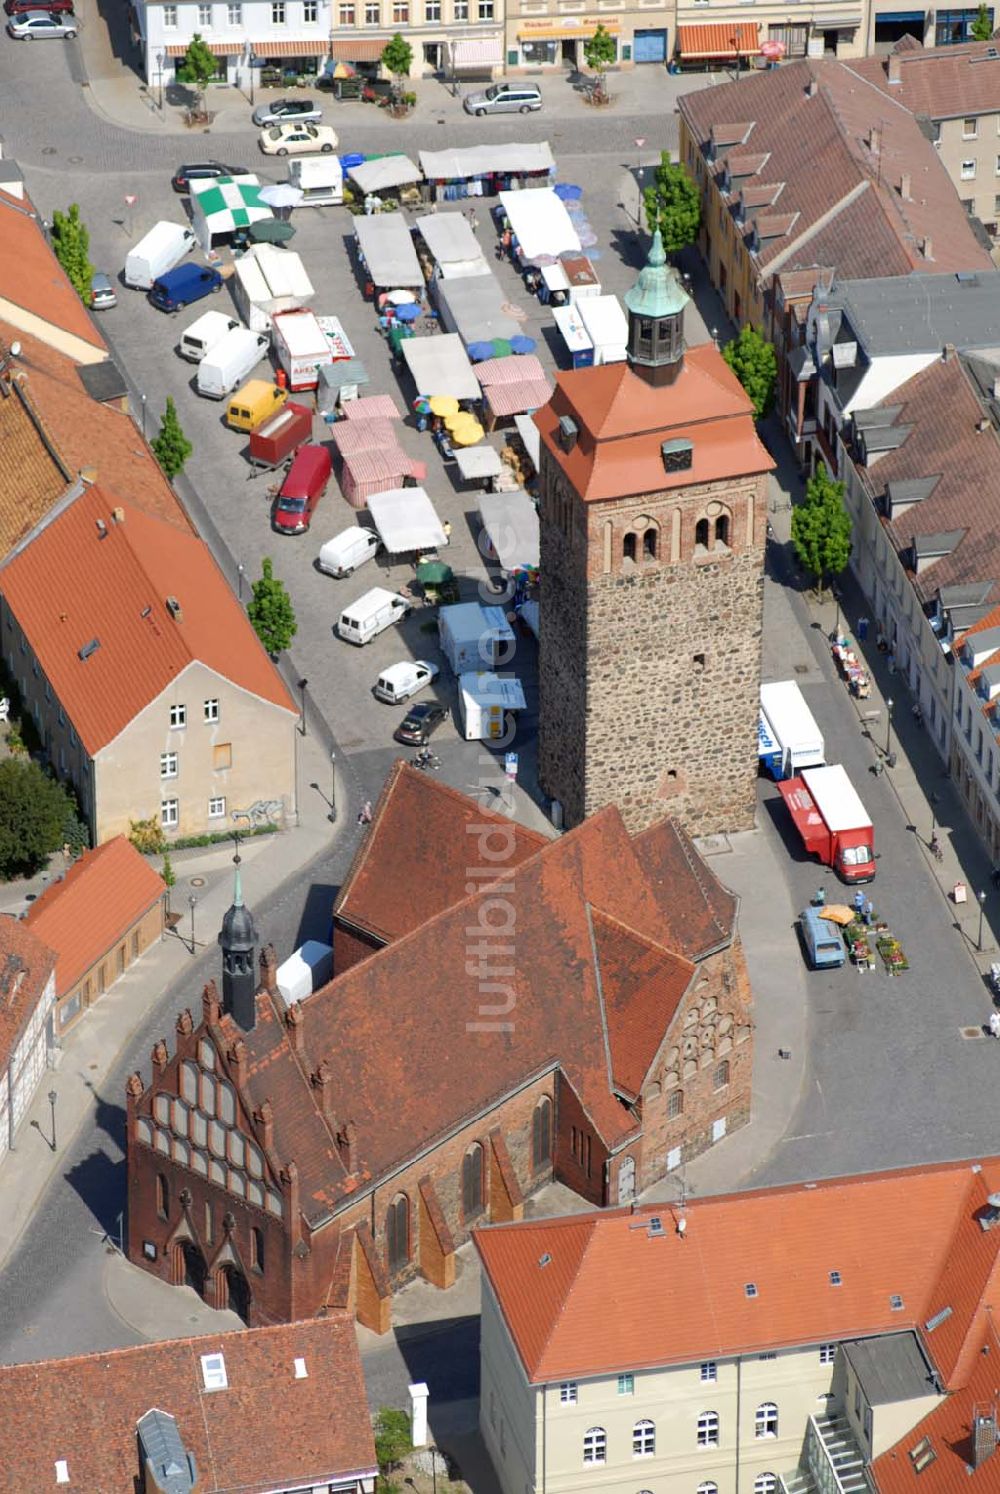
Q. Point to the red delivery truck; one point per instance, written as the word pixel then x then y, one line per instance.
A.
pixel 833 822
pixel 280 434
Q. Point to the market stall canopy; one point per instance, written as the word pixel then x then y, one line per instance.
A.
pixel 406 520
pixel 351 437
pixel 384 173
pixel 272 280
pixel 271 231
pixel 528 432
pixel 385 241
pixel 346 373
pixel 464 162
pixel 373 407
pixel 281 195
pixel 517 399
pixel 478 462
pixel 472 306
pixel 509 370
pixel 511 521
pixel 222 204
pixel 371 472
pixel 540 223
pixel 439 366
pixel 607 327
pixel 453 245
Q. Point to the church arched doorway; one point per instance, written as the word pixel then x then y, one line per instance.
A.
pixel 190 1269
pixel 236 1292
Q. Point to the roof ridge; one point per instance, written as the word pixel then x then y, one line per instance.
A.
pixel 640 938
pixel 601 1003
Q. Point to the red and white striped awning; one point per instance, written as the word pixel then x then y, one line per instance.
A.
pixel 363 435
pixel 373 407
pixel 520 369
pixel 518 399
pixel 308 46
pixel 218 49
pixel 486 51
pixel 361 49
pixel 720 39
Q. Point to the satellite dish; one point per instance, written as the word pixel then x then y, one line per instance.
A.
pixel 15 350
pixel 994 1200
pixel 682 1225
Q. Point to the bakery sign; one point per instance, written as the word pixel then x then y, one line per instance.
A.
pixel 553 26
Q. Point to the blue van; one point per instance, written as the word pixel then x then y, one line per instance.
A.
pixel 178 288
pixel 822 939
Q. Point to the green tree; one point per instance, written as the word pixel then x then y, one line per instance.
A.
pixel 672 205
pixel 821 528
pixel 393 1440
pixel 71 246
pixel 600 51
pixel 169 876
pixel 270 611
pixel 171 447
pixel 397 59
pixel 34 810
pixel 981 29
pixel 198 65
pixel 751 358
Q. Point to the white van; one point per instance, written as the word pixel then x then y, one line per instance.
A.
pixel 320 179
pixel 227 365
pixel 400 681
pixel 201 337
pixel 164 246
pixel 371 614
pixel 346 551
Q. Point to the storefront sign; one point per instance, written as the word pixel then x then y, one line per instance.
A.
pixel 568 26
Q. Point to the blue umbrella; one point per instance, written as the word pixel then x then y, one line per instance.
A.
pixel 479 351
pixel 409 312
pixel 523 344
pixel 568 192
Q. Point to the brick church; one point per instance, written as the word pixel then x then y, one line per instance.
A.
pixel 653 526
pixel 505 1010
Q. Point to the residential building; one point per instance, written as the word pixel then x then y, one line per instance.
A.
pixel 355 1137
pixel 957 89
pixel 99 918
pixel 549 35
pixel 848 204
pixel 975 739
pixel 37 296
pixel 653 519
pixel 148 687
pixel 27 1037
pixel 273 1409
pixel 791 1339
pixel 892 29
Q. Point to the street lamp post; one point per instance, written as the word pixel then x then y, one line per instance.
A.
pixel 333 788
pixel 934 805
pixel 53 1097
pixel 982 909
pixel 161 58
pixel 192 904
pixel 302 692
pixel 888 725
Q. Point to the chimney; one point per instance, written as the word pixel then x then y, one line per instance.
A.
pixel 874 140
pixel 905 186
pixel 347 1142
pixel 323 1082
pixel 926 248
pixel 160 1057
pixel 812 88
pixel 174 608
pixel 294 1026
pixel 118 515
pixel 268 970
pixel 894 68
pixel 265 1119
pixel 88 476
pixel 984 1434
pixel 210 1008
pixel 983 424
pixel 996 386
pixel 947 352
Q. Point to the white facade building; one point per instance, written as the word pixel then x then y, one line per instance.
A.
pixel 27 998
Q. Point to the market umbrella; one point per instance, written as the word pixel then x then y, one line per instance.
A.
pixel 271 231
pixel 455 419
pixel 522 344
pixel 422 405
pixel 837 913
pixel 443 404
pixel 434 572
pixel 399 298
pixel 480 351
pixel 468 433
pixel 344 70
pixel 501 348
pixel 568 191
pixel 281 195
pixel 409 312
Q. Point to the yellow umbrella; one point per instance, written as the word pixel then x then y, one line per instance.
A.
pixel 444 404
pixel 456 418
pixel 468 433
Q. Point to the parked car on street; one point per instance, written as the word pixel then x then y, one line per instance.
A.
pixel 102 292
pixel 295 111
pixel 179 287
pixel 41 25
pixel 22 7
pixel 301 490
pixel 420 722
pixel 504 98
pixel 298 139
pixel 199 170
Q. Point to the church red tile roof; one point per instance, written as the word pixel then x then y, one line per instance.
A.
pixel 699 913
pixel 270 1427
pixel 911 1237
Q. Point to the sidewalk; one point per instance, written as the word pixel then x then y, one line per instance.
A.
pixel 91 1050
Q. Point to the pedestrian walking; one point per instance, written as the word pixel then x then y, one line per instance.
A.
pixel 365 813
pixel 995 1024
pixel 446 526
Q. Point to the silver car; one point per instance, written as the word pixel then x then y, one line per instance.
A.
pixel 504 98
pixel 102 292
pixel 42 23
pixel 285 111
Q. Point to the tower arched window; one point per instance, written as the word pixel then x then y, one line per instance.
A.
pixel 722 530
pixel 629 545
pixel 701 533
pixel 397 1232
pixel 162 1196
pixel 765 1422
pixel 649 540
pixel 472 1182
pixel 541 1133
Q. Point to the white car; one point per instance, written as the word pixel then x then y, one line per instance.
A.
pixel 400 681
pixel 298 139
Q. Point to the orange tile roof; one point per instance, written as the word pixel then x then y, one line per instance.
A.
pixel 623 421
pixel 642 984
pixel 32 278
pixel 25 966
pixel 269 1429
pixel 89 910
pixel 914 1233
pixel 33 475
pixel 89 434
pixel 939 83
pixel 70 586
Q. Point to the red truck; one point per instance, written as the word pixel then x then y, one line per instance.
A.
pixel 832 821
pixel 280 434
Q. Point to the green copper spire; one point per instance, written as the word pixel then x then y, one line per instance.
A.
pixel 658 292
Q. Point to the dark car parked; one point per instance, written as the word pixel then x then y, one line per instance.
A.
pixel 199 170
pixel 178 288
pixel 420 722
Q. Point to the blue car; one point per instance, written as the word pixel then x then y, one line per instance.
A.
pixel 178 288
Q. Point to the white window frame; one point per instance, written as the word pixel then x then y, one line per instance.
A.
pixel 178 717
pixel 595 1447
pixel 204 9
pixel 217 807
pixel 644 1439
pixel 310 12
pixel 765 1483
pixel 234 13
pixel 968 171
pixel 170 813
pixel 765 1420
pixel 460 10
pixel 373 13
pixel 279 13
pixel 486 10
pixel 972 134
pixel 709 1372
pixel 211 709
pixel 432 12
pixel 827 1353
pixel 626 1384
pixel 168 764
pixel 568 1393
pixel 708 1429
pixel 168 16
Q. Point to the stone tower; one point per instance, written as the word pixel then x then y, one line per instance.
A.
pixel 653 522
pixel 238 942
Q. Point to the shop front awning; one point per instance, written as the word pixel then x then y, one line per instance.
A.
pixel 217 49
pixel 719 40
pixel 485 51
pixel 570 28
pixel 309 46
pixel 361 49
pixel 836 23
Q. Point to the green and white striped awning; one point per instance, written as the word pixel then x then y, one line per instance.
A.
pixel 225 203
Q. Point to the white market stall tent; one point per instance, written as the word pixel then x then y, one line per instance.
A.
pixel 384 173
pixel 452 245
pixel 529 434
pixel 511 522
pixel 540 223
pixel 406 520
pixel 439 365
pixel 465 162
pixel 607 327
pixel 222 204
pixel 386 248
pixel 267 280
pixel 478 462
pixel 473 306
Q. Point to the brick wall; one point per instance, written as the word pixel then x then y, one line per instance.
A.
pixel 350 947
pixel 580 1154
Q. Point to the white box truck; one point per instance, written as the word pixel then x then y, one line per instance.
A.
pixel 301 347
pixel 310 967
pixel 342 555
pixel 229 362
pixel 474 637
pixel 164 246
pixel 320 179
pixel 788 737
pixel 201 337
pixel 371 614
pixel 486 704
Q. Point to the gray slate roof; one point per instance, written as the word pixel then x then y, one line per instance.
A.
pixel 918 313
pixel 890 1369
